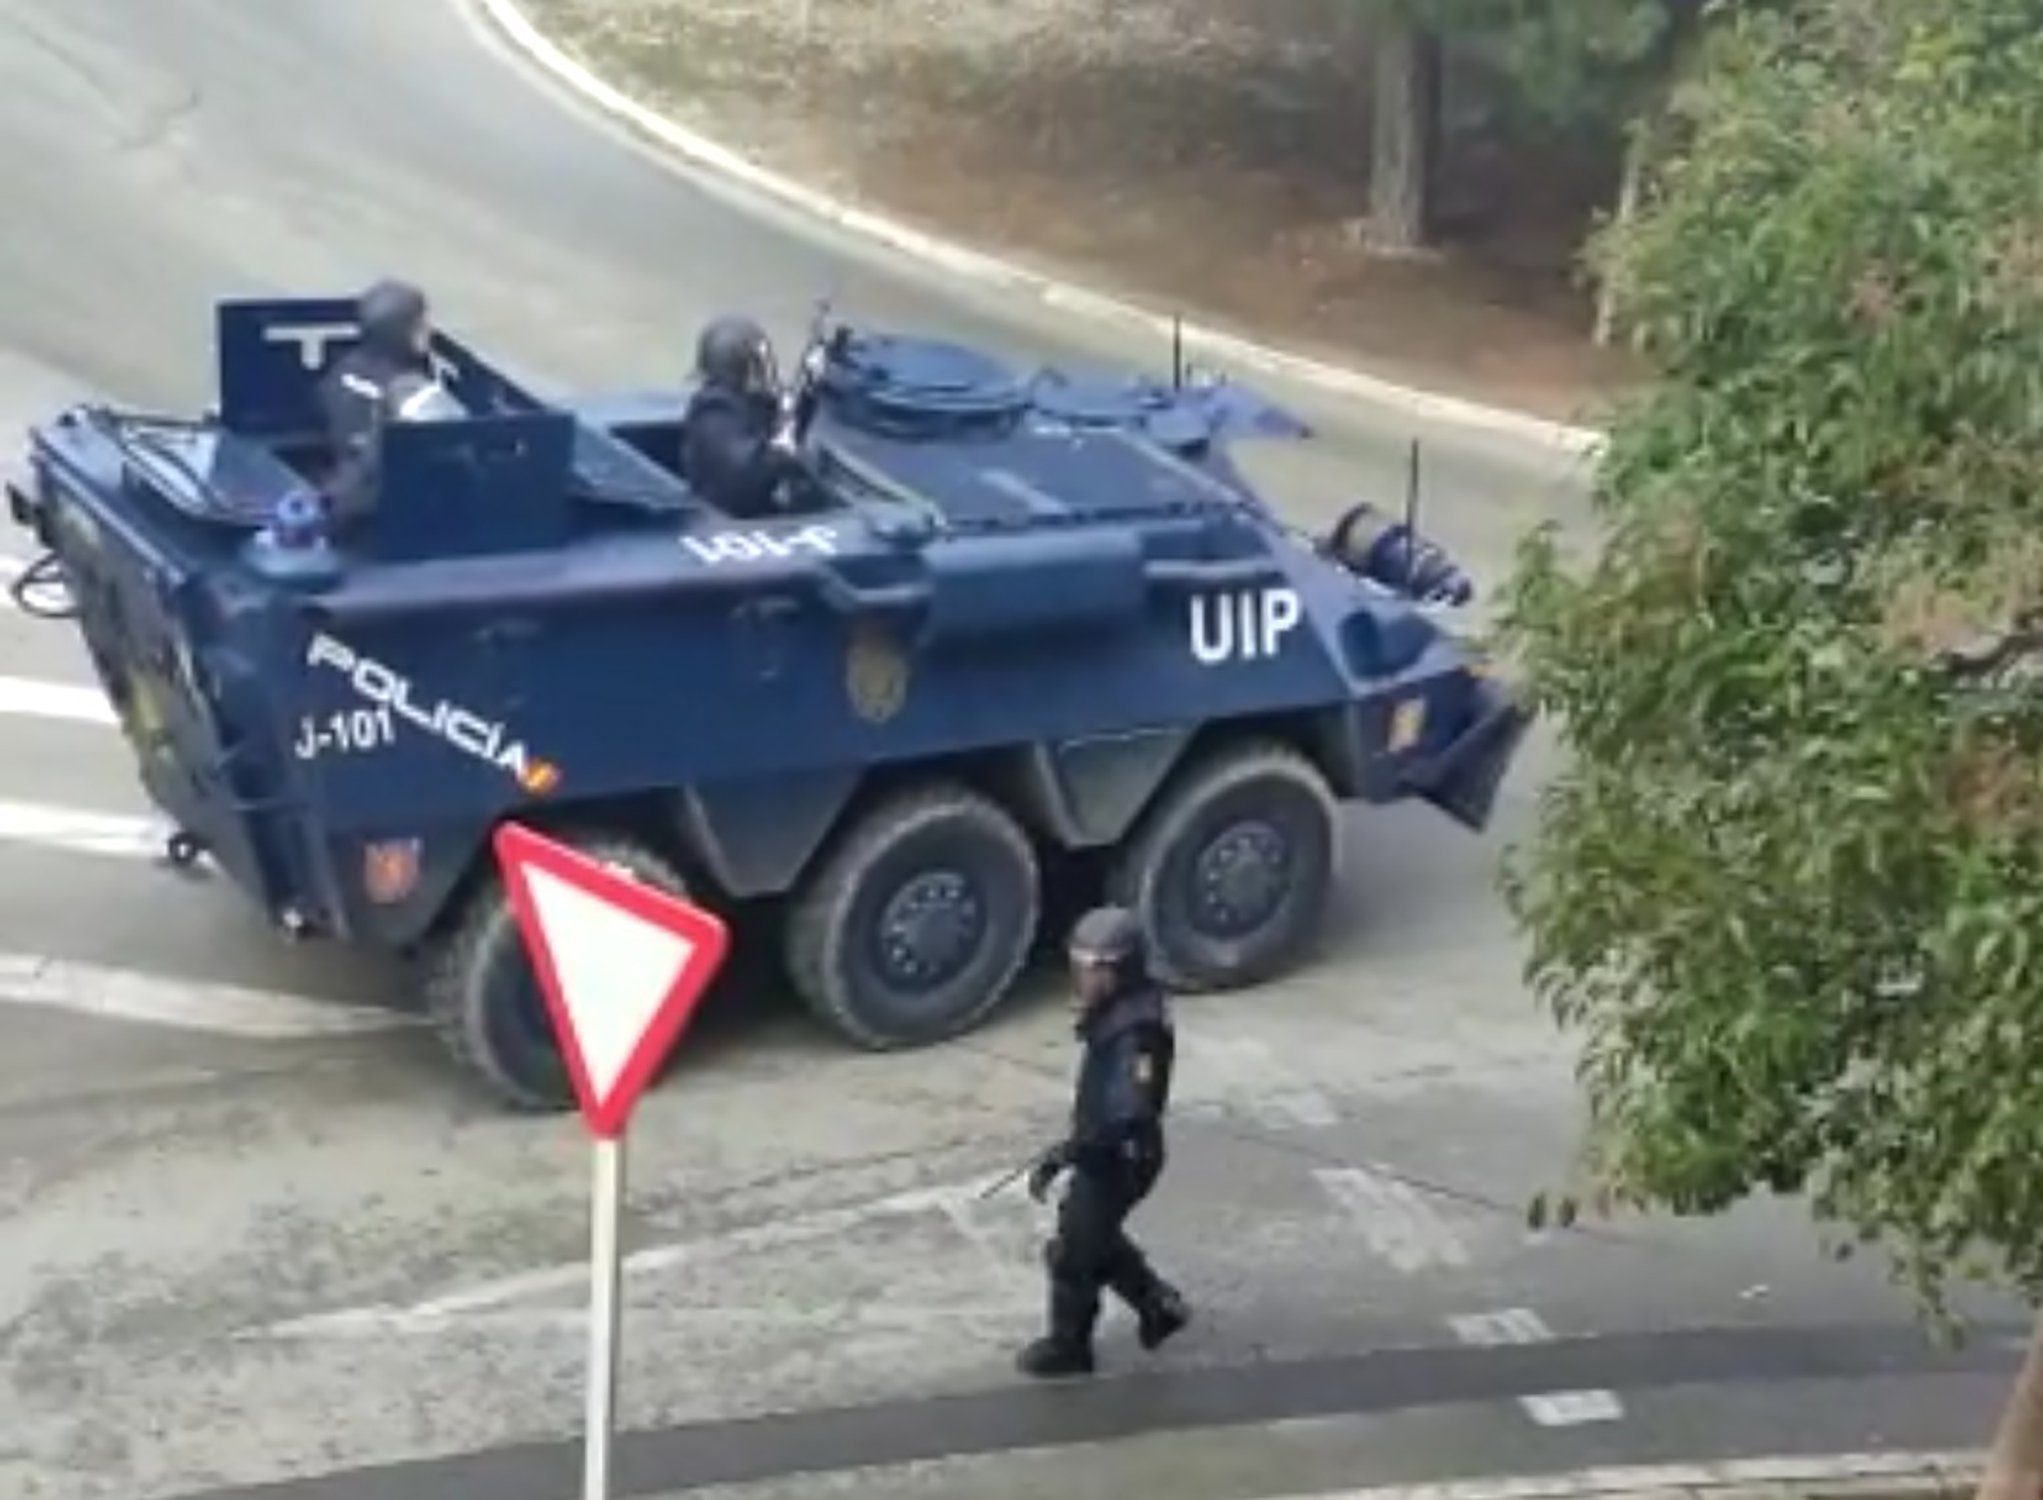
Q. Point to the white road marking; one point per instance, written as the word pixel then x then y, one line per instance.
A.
pixel 1513 1325
pixel 1521 1325
pixel 1396 1221
pixel 228 1010
pixel 1573 1408
pixel 1007 1255
pixel 1241 1074
pixel 29 697
pixel 868 1313
pixel 74 830
pixel 459 1306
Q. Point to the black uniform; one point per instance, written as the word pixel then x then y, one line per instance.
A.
pixel 1115 1154
pixel 727 448
pixel 728 453
pixel 358 391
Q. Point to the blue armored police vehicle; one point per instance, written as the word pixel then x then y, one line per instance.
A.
pixel 1001 635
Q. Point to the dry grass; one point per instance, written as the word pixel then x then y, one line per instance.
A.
pixel 1204 152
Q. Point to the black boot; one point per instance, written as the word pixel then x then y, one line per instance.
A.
pixel 1066 1350
pixel 1053 1358
pixel 1163 1314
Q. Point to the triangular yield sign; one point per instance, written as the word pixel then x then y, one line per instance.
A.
pixel 622 964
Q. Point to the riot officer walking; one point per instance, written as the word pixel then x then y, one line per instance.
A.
pixel 1114 1152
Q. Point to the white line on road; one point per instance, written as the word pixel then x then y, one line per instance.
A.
pixel 29 697
pixel 1395 1220
pixel 128 995
pixel 74 830
pixel 1521 1325
pixel 454 1308
pixel 868 1313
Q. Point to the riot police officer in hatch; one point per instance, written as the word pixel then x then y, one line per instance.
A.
pixel 1114 1153
pixel 388 373
pixel 734 450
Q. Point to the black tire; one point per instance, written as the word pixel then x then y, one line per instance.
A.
pixel 1260 808
pixel 947 852
pixel 483 997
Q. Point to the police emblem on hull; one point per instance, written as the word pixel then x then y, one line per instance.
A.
pixel 390 870
pixel 875 674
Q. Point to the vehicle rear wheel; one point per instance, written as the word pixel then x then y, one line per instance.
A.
pixel 483 996
pixel 913 927
pixel 1230 871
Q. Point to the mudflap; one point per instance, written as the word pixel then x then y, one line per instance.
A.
pixel 1464 778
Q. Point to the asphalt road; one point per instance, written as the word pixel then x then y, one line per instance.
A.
pixel 252 1229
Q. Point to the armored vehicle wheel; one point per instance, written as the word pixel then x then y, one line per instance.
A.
pixel 1231 869
pixel 484 999
pixel 914 925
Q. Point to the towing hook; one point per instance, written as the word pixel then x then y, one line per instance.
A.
pixel 182 850
pixel 42 592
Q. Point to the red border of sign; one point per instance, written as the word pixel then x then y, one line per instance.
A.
pixel 518 848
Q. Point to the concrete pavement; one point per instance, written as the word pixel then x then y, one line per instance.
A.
pixel 252 1228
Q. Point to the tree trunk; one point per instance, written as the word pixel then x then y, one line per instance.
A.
pixel 2014 1469
pixel 1629 187
pixel 1404 134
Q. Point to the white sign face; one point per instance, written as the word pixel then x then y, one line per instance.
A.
pixel 1244 625
pixel 751 545
pixel 614 968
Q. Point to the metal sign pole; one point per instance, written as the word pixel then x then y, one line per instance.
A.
pixel 606 1208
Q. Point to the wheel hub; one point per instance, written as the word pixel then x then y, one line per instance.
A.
pixel 930 929
pixel 1241 879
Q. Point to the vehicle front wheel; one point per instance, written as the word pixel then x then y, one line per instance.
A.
pixel 483 995
pixel 913 927
pixel 1230 871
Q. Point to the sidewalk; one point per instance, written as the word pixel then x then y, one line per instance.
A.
pixel 1236 1465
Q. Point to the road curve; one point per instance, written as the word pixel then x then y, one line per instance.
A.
pixel 156 154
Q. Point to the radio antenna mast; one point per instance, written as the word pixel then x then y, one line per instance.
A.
pixel 1412 519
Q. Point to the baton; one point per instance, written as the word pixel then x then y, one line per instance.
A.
pixel 1003 1180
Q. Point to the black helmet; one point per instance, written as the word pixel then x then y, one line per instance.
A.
pixel 735 353
pixel 388 312
pixel 1111 935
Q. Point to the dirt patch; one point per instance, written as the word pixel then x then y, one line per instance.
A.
pixel 1209 154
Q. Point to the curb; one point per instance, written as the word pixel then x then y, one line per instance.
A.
pixel 510 21
pixel 1844 1476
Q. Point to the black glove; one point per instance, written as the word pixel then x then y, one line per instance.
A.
pixel 1048 1168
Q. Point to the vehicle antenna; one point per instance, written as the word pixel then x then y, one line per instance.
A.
pixel 1177 351
pixel 1412 518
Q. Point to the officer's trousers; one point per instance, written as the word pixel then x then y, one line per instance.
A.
pixel 1091 1251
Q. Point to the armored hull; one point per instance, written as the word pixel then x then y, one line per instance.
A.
pixel 1007 634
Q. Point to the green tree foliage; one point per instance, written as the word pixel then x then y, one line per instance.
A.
pixel 1789 885
pixel 1576 65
